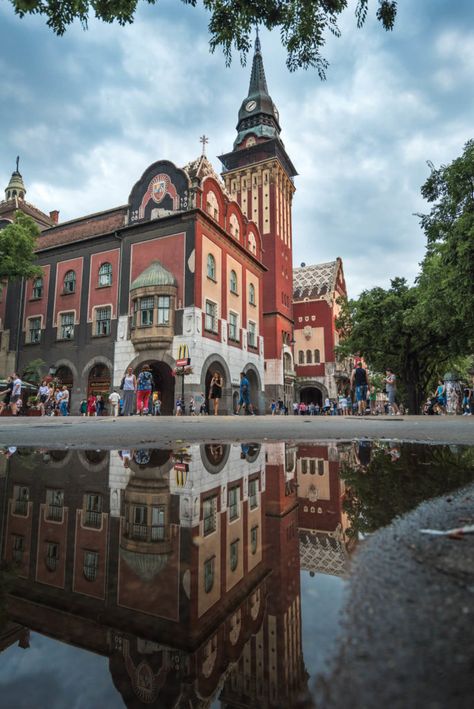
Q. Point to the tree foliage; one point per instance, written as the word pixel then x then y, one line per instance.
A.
pixel 17 248
pixel 303 24
pixel 421 331
pixel 34 371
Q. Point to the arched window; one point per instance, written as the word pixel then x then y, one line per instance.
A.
pixel 309 357
pixel 211 267
pixel 234 226
pixel 301 357
pixel 317 357
pixel 38 287
pixel 212 205
pixel 252 294
pixel 252 243
pixel 233 282
pixel 69 285
pixel 105 274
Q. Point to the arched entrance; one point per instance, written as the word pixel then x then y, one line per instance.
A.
pixel 99 381
pixel 310 395
pixel 164 383
pixel 64 376
pixel 253 378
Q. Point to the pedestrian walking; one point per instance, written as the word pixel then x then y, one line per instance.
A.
pixel 129 387
pixel 91 404
pixel 295 408
pixel 360 381
pixel 99 405
pixel 273 407
pixel 83 408
pixel 144 389
pixel 244 401
pixel 391 388
pixel 64 402
pixel 16 394
pixel 114 400
pixel 215 391
pixel 43 396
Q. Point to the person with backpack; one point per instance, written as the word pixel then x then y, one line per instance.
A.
pixel 360 380
pixel 144 389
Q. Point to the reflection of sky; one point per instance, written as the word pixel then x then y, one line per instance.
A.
pixel 321 601
pixel 54 675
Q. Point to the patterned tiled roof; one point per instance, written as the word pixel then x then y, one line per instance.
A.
pixel 83 228
pixel 315 281
pixel 322 553
pixel 200 168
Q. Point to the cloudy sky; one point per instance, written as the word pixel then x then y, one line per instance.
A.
pixel 88 112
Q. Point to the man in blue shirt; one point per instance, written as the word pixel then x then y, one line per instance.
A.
pixel 244 400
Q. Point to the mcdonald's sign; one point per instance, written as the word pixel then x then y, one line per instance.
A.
pixel 183 359
pixel 181 473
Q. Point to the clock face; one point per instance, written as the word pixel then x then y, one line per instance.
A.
pixel 250 105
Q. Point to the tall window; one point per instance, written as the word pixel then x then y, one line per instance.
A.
pixel 54 504
pixel 301 357
pixel 158 523
pixel 234 226
pixel 211 267
pixel 66 328
pixel 105 275
pixel 146 311
pixel 211 316
pixel 164 302
pixel 69 285
pixel 233 327
pixel 309 357
pixel 317 357
pixel 233 282
pixel 38 287
pixel 102 321
pixel 93 514
pixel 234 554
pixel 34 330
pixel 52 556
pixel 209 514
pixel 234 496
pixel 209 574
pixel 21 496
pixel 253 539
pixel 253 493
pixel 18 547
pixel 252 294
pixel 212 205
pixel 252 334
pixel 91 564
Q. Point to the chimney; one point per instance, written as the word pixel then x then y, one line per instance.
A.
pixel 54 216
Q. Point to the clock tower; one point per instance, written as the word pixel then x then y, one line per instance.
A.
pixel 258 173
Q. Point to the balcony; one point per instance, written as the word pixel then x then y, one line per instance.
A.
pixel 92 519
pixel 145 533
pixel 52 563
pixel 54 513
pixel 17 556
pixel 20 507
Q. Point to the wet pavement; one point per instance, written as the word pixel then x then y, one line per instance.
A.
pixel 108 432
pixel 267 574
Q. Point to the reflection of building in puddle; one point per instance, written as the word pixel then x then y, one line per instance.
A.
pixel 164 566
pixel 323 524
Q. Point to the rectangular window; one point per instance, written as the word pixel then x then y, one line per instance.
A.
pixel 52 556
pixel 164 309
pixel 91 565
pixel 146 311
pixel 137 528
pixel 18 547
pixel 66 328
pixel 34 330
pixel 304 465
pixel 253 493
pixel 158 523
pixel 38 288
pixel 252 334
pixel 21 495
pixel 320 467
pixel 211 316
pixel 209 574
pixel 54 505
pixel 233 327
pixel 312 466
pixel 210 514
pixel 102 321
pixel 234 497
pixel 93 513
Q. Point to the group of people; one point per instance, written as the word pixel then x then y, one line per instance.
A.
pixel 11 396
pixel 450 398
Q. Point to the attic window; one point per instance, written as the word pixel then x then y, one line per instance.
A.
pixel 212 205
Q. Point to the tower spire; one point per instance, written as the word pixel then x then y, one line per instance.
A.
pixel 258 82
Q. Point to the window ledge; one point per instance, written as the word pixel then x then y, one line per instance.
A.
pixel 98 286
pixel 234 292
pixel 210 278
pixel 254 305
pixel 68 292
pixel 35 297
pixel 33 343
pixel 99 336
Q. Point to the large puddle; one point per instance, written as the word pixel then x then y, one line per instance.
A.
pixel 210 575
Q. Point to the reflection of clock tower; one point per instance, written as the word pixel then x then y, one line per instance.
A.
pixel 259 174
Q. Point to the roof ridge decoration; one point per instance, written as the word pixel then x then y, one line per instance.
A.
pixel 200 168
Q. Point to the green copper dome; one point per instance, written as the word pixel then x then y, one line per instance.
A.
pixel 155 275
pixel 16 186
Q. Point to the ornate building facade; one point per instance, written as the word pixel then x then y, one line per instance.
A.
pixel 319 372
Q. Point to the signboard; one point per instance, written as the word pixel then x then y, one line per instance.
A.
pixel 183 362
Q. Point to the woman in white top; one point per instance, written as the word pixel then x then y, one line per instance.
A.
pixel 43 397
pixel 129 387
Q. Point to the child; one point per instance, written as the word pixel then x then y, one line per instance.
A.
pixel 192 407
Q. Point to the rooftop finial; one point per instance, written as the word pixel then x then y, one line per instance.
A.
pixel 204 139
pixel 17 162
pixel 257 41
